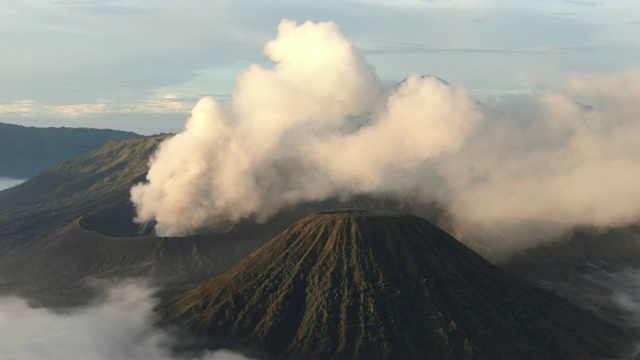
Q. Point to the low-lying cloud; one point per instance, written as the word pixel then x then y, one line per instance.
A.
pixel 6 183
pixel 117 328
pixel 320 125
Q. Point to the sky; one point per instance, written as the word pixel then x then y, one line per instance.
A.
pixel 141 65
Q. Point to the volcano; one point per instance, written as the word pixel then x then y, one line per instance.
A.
pixel 76 221
pixel 371 285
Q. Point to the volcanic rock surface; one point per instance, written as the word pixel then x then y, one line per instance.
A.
pixel 370 285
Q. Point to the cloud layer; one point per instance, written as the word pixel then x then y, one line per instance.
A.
pixel 320 125
pixel 568 157
pixel 118 328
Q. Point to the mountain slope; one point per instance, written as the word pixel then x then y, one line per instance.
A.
pixel 54 272
pixel 28 151
pixel 92 182
pixel 579 250
pixel 357 284
pixel 76 221
pixel 588 266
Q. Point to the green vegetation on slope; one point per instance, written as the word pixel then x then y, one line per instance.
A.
pixel 28 151
pixel 354 284
pixel 75 221
pixel 93 182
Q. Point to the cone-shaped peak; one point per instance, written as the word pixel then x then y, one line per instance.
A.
pixel 361 284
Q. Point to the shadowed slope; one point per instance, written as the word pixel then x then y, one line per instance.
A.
pixel 76 221
pixel 55 273
pixel 585 266
pixel 356 284
pixel 95 181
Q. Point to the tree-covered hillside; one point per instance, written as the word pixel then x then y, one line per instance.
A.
pixel 28 151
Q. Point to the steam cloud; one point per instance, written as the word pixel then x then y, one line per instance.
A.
pixel 118 328
pixel 566 158
pixel 316 126
pixel 320 125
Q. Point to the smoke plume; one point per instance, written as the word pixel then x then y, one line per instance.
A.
pixel 565 158
pixel 320 125
pixel 316 126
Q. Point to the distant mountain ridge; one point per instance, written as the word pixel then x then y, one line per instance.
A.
pixel 92 182
pixel 354 284
pixel 28 151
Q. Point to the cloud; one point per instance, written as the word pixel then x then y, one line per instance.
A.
pixel 6 183
pixel 621 288
pixel 314 127
pixel 567 157
pixel 22 108
pixel 72 53
pixel 103 7
pixel 169 103
pixel 30 108
pixel 119 327
pixel 116 50
pixel 75 110
pixel 318 125
pixel 381 48
pixel 427 4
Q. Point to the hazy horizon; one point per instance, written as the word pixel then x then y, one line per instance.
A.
pixel 142 66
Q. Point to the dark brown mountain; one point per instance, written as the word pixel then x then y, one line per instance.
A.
pixel 370 285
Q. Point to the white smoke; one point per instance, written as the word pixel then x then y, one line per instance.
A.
pixel 118 328
pixel 569 157
pixel 314 127
pixel 318 125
